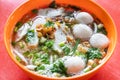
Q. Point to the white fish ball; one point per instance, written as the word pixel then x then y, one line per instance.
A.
pixel 84 17
pixel 82 31
pixel 74 64
pixel 99 40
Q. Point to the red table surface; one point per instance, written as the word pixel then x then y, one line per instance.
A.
pixel 9 71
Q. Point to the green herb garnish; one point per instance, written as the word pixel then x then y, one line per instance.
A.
pixel 59 67
pixel 49 24
pixel 41 58
pixel 61 44
pixel 45 58
pixel 30 35
pixel 76 45
pixel 94 53
pixel 66 50
pixel 13 43
pixel 49 43
pixel 26 54
pixel 102 30
pixel 74 7
pixel 35 11
pixel 17 26
pixel 41 67
pixel 21 45
pixel 18 59
pixel 53 4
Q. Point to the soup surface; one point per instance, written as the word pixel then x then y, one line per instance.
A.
pixel 59 41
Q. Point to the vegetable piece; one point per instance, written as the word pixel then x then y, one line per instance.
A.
pixel 16 29
pixel 49 43
pixel 42 40
pixel 94 65
pixel 26 54
pixel 34 11
pixel 32 39
pixel 29 36
pixel 87 69
pixel 45 48
pixel 94 53
pixel 18 59
pixel 61 44
pixel 30 22
pixel 41 58
pixel 19 24
pixel 76 45
pixel 41 67
pixel 66 50
pixel 74 7
pixel 55 57
pixel 53 4
pixel 82 55
pixel 21 45
pixel 101 29
pixel 13 43
pixel 45 58
pixel 59 67
pixel 49 24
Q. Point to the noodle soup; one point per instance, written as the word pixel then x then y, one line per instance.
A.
pixel 59 41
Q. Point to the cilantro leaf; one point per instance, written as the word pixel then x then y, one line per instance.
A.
pixel 94 53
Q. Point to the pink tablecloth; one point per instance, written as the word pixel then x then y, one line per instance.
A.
pixel 9 71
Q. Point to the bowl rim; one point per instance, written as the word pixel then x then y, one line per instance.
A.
pixel 66 78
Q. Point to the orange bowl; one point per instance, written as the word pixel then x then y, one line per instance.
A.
pixel 88 5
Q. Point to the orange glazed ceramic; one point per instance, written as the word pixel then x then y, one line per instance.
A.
pixel 88 5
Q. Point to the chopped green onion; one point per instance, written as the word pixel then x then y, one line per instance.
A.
pixel 44 48
pixel 87 69
pixel 53 4
pixel 16 29
pixel 66 50
pixel 76 45
pixel 13 43
pixel 30 23
pixel 49 24
pixel 61 44
pixel 45 58
pixel 94 65
pixel 18 59
pixel 94 53
pixel 19 24
pixel 59 67
pixel 49 43
pixel 41 67
pixel 55 57
pixel 42 40
pixel 26 53
pixel 35 11
pixel 21 45
pixel 30 35
pixel 74 7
